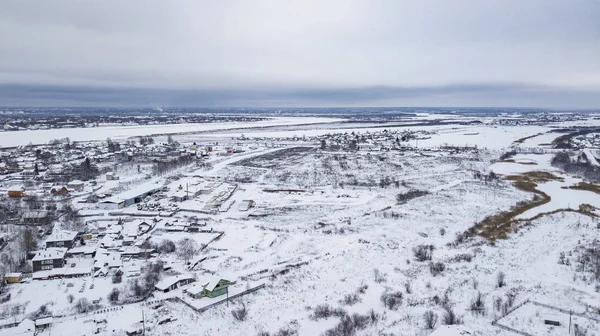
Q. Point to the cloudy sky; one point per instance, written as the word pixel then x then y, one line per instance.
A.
pixel 534 53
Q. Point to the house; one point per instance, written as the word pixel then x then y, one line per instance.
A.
pixel 13 277
pixel 61 239
pixel 76 185
pixel 16 192
pixel 172 282
pixel 36 217
pixel 210 287
pixel 49 258
pixel 129 197
pixel 452 330
pixel 111 176
pixel 59 191
pixel 245 205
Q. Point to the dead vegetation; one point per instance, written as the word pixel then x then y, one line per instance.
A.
pixel 498 226
pixel 522 140
pixel 585 186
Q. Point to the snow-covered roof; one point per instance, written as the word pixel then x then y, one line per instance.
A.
pixel 50 253
pixel 452 330
pixel 57 236
pixel 12 275
pixel 43 321
pixel 170 281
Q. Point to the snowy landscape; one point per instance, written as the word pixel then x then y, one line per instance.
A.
pixel 428 224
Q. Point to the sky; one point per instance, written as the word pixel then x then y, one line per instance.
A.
pixel 230 53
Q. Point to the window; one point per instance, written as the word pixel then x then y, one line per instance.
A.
pixel 47 267
pixel 47 262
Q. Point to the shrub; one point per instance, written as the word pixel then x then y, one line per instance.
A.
pixel 408 287
pixel 240 314
pixel 349 325
pixel 82 305
pixel 362 289
pixel 70 298
pixel 325 311
pixel 463 257
pixel 442 232
pixel 477 305
pixel 113 296
pixel 437 268
pixel 378 276
pixel 166 246
pixel 430 318
pixel 117 278
pixel 423 252
pixel 501 279
pixel 449 317
pixel 350 299
pixel 391 300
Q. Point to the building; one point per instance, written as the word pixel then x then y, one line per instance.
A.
pixel 61 239
pixel 211 287
pixel 130 197
pixel 111 203
pixel 76 185
pixel 16 192
pixel 111 176
pixel 59 191
pixel 172 282
pixel 13 277
pixel 36 217
pixel 48 259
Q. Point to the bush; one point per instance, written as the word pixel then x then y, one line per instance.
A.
pixel 166 246
pixel 408 287
pixel 463 257
pixel 113 296
pixel 70 298
pixel 449 317
pixel 83 306
pixel 477 305
pixel 437 268
pixel 240 314
pixel 378 276
pixel 391 300
pixel 350 299
pixel 501 279
pixel 325 311
pixel 349 325
pixel 430 318
pixel 117 278
pixel 423 252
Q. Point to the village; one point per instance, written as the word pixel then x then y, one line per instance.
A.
pixel 224 229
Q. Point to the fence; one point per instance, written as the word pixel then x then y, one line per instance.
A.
pixel 564 311
pixel 214 304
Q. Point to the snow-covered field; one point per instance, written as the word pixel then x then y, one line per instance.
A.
pixel 343 228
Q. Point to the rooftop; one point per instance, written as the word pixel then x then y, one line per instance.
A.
pixel 50 253
pixel 170 281
pixel 62 236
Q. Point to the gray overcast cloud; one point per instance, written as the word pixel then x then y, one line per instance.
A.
pixel 542 53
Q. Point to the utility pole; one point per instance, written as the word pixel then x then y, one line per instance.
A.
pixel 143 323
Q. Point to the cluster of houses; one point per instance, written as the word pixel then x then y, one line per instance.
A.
pixel 587 141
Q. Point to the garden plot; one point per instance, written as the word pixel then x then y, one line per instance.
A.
pixel 542 320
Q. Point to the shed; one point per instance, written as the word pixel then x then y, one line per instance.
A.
pixel 43 322
pixel 13 277
pixel 209 287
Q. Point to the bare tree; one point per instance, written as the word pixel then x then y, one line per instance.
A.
pixel 186 249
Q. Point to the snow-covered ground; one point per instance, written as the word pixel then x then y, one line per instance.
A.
pixel 337 228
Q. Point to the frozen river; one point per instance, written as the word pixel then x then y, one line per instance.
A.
pixel 37 137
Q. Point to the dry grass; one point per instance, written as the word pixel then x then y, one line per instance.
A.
pixel 508 161
pixel 585 186
pixel 528 163
pixel 498 226
pixel 520 141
